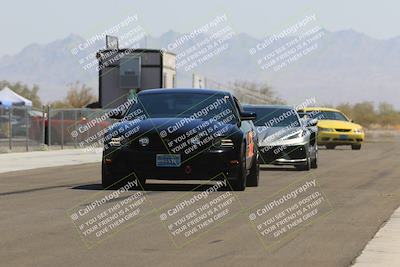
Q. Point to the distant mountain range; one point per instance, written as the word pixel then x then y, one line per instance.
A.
pixel 347 67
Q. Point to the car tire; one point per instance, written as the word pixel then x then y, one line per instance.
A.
pixel 254 175
pixel 239 184
pixel 141 184
pixel 314 161
pixel 106 179
pixel 330 146
pixel 109 181
pixel 305 167
pixel 356 146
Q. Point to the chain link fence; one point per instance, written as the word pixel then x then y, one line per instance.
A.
pixel 32 129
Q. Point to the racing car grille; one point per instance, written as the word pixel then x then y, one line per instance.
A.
pixel 155 143
pixel 343 130
pixel 273 153
pixel 343 139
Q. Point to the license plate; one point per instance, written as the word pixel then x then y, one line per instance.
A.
pixel 168 160
pixel 343 136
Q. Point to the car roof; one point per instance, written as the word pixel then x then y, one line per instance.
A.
pixel 318 109
pixel 267 106
pixel 184 90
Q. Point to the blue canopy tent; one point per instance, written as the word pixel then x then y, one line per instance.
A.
pixel 9 98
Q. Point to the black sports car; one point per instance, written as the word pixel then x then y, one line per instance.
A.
pixel 182 134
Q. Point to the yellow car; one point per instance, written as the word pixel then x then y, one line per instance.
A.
pixel 334 128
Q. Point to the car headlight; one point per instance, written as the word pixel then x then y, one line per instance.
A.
pixel 115 141
pixel 359 130
pixel 325 129
pixel 294 135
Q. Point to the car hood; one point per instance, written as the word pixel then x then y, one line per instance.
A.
pixel 271 134
pixel 337 124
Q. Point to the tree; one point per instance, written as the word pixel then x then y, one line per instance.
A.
pixel 255 93
pixel 60 104
pixel 25 91
pixel 387 114
pixel 364 113
pixel 347 109
pixel 78 96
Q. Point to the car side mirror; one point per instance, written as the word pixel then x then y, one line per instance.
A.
pixel 248 116
pixel 312 123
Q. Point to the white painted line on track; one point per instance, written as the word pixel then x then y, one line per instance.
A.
pixel 42 159
pixel 384 248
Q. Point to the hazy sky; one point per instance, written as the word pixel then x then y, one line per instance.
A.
pixel 42 21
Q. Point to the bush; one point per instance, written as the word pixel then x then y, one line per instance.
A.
pixel 365 114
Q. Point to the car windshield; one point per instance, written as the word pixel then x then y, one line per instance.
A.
pixel 185 105
pixel 326 115
pixel 275 117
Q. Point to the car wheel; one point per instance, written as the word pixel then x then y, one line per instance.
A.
pixel 306 166
pixel 142 182
pixel 356 146
pixel 106 179
pixel 109 181
pixel 254 175
pixel 330 146
pixel 314 161
pixel 239 184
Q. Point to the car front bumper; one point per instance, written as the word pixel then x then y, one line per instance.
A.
pixel 203 166
pixel 283 155
pixel 339 138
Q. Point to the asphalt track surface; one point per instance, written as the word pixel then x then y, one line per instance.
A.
pixel 362 186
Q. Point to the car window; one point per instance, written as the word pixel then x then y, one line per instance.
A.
pixel 275 117
pixel 327 115
pixel 183 105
